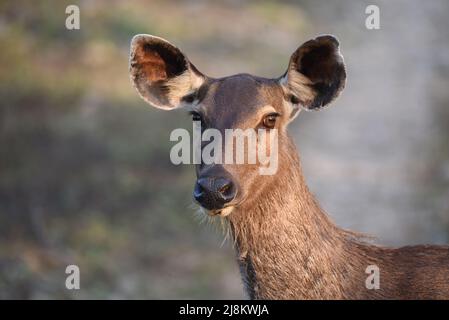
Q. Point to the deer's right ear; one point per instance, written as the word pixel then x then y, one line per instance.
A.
pixel 161 73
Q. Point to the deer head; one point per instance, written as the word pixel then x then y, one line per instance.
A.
pixel 166 79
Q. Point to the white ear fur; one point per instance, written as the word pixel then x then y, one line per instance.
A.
pixel 184 84
pixel 316 73
pixel 300 85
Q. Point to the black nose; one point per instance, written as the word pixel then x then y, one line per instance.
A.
pixel 213 193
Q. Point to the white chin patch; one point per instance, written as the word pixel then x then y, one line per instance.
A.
pixel 221 212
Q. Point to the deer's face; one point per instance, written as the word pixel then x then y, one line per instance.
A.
pixel 166 79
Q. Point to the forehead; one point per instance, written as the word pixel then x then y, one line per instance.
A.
pixel 238 97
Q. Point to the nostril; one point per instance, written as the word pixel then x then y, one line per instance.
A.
pixel 225 188
pixel 214 193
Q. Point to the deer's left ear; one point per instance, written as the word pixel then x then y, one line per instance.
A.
pixel 161 73
pixel 316 73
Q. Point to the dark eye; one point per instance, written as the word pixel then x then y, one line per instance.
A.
pixel 196 116
pixel 270 120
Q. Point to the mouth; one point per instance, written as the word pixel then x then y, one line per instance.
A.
pixel 223 212
pixel 220 212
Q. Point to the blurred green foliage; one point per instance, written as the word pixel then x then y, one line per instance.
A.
pixel 85 171
pixel 85 176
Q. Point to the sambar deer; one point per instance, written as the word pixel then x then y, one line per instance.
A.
pixel 286 245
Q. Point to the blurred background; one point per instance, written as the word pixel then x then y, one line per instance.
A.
pixel 85 174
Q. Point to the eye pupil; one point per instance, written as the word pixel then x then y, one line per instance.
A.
pixel 269 121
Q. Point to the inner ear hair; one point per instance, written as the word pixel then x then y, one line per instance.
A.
pixel 179 86
pixel 161 60
pixel 323 64
pixel 161 73
pixel 300 89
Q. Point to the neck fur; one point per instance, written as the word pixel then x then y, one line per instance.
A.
pixel 287 247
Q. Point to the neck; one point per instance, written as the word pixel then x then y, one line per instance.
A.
pixel 287 247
